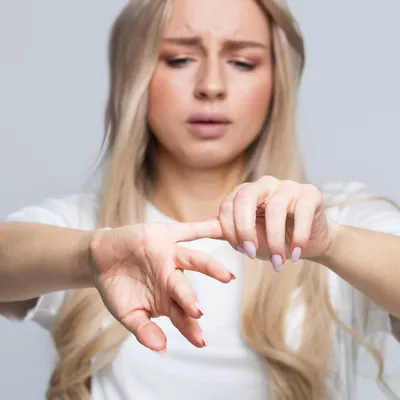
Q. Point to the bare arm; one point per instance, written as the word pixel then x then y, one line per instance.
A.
pixel 369 261
pixel 36 259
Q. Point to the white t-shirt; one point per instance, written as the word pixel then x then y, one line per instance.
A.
pixel 226 368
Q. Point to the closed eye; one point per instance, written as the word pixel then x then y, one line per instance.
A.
pixel 243 65
pixel 178 62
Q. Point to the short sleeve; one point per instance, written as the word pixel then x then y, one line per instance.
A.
pixel 77 212
pixel 360 208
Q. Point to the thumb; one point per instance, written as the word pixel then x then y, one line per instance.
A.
pixel 146 331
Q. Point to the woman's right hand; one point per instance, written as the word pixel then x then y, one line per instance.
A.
pixel 138 271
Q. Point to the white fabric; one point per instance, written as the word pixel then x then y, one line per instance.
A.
pixel 226 368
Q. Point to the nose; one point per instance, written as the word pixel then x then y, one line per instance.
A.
pixel 210 84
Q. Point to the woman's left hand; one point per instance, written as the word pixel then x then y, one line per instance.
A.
pixel 275 220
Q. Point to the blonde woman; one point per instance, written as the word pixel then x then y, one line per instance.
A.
pixel 204 184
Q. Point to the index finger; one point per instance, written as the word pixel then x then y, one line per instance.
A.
pixel 186 232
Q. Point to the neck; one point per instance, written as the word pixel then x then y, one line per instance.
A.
pixel 192 194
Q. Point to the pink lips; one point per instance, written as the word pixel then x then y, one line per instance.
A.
pixel 208 124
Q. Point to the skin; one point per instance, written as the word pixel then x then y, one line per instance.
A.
pixel 138 269
pixel 220 74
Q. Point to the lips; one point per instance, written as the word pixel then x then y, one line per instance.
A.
pixel 209 118
pixel 208 125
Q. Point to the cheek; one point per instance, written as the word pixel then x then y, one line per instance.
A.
pixel 166 106
pixel 251 107
pixel 165 97
pixel 256 99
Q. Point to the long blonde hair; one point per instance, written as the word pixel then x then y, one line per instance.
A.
pixel 84 348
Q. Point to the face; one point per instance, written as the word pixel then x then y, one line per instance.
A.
pixel 212 87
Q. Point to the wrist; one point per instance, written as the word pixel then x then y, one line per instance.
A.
pixel 336 232
pixel 82 276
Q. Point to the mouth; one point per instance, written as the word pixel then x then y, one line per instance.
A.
pixel 208 125
pixel 210 119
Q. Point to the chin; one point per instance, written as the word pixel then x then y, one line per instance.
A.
pixel 208 159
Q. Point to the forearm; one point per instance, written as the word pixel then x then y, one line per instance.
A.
pixel 36 259
pixel 369 261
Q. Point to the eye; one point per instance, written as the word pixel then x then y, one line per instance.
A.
pixel 177 62
pixel 243 65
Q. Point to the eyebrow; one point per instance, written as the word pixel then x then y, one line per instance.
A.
pixel 230 44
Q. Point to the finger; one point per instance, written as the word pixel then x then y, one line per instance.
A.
pixel 306 207
pixel 181 291
pixel 246 203
pixel 187 326
pixel 214 219
pixel 276 213
pixel 226 217
pixel 198 261
pixel 146 331
pixel 186 232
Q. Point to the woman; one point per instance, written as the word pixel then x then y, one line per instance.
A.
pixel 204 175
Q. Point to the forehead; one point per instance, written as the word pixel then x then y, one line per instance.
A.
pixel 242 19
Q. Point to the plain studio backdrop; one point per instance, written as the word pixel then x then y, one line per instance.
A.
pixel 53 85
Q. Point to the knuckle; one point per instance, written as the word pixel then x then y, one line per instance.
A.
pixel 208 265
pixel 173 312
pixel 290 183
pixel 243 194
pixel 201 261
pixel 179 288
pixel 243 185
pixel 268 180
pixel 192 259
pixel 276 205
pixel 313 191
pixel 275 243
pixel 226 207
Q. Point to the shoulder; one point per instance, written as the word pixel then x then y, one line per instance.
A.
pixel 77 211
pixel 354 203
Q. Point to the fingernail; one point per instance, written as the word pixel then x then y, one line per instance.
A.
pixel 199 307
pixel 277 262
pixel 250 249
pixel 233 276
pixel 204 339
pixel 162 351
pixel 240 250
pixel 296 254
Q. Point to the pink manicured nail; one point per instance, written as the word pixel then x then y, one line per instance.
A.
pixel 277 262
pixel 250 249
pixel 199 307
pixel 240 250
pixel 204 339
pixel 296 254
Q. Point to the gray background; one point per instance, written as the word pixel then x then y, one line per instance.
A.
pixel 53 84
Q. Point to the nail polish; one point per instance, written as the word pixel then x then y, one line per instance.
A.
pixel 199 307
pixel 250 249
pixel 296 254
pixel 240 250
pixel 204 339
pixel 277 262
